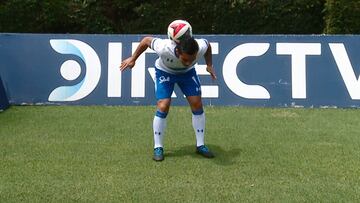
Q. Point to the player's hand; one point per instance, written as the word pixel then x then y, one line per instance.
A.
pixel 127 63
pixel 211 70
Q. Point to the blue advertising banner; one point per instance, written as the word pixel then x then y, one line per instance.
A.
pixel 255 70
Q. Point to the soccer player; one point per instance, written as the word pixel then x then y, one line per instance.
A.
pixel 176 65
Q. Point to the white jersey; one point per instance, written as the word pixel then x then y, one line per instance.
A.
pixel 168 60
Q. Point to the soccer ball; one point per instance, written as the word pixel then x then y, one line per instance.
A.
pixel 178 29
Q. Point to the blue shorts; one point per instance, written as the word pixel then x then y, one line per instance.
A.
pixel 188 82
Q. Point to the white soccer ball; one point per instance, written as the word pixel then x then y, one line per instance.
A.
pixel 178 29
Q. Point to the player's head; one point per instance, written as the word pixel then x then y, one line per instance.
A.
pixel 187 50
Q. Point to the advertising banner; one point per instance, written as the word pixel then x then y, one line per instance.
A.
pixel 252 70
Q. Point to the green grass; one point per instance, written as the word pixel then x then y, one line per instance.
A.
pixel 104 154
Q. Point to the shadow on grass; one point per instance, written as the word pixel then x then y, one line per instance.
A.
pixel 222 157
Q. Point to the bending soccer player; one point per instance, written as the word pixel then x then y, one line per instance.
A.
pixel 177 57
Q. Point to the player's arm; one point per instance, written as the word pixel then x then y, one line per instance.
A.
pixel 208 61
pixel 130 62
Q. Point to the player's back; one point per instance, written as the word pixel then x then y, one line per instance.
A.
pixel 168 60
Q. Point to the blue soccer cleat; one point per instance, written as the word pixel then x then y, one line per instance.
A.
pixel 204 151
pixel 158 154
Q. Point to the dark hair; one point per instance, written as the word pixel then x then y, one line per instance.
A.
pixel 188 45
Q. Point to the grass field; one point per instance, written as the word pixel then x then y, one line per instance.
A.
pixel 104 154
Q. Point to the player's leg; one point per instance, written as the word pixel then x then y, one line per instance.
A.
pixel 198 118
pixel 198 121
pixel 191 87
pixel 159 123
pixel 163 90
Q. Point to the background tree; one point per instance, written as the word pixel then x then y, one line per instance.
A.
pixel 153 16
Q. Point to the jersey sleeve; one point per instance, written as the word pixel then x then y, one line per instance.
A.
pixel 203 45
pixel 157 45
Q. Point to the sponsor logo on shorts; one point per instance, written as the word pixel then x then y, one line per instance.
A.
pixel 164 79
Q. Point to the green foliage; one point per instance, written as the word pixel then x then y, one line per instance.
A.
pixel 153 16
pixel 270 17
pixel 232 17
pixel 342 17
pixel 53 16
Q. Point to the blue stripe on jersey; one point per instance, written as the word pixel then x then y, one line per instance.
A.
pixel 175 52
pixel 152 43
pixel 207 43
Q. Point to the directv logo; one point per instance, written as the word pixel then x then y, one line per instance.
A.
pixel 70 70
pixel 296 53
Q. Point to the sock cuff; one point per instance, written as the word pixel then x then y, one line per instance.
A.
pixel 160 114
pixel 198 112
